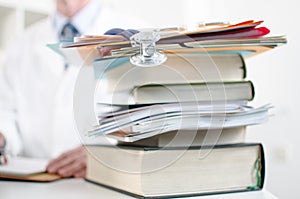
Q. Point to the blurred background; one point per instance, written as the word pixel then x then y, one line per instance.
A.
pixel 274 73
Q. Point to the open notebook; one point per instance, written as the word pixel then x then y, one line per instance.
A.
pixel 27 169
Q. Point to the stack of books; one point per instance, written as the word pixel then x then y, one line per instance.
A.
pixel 180 126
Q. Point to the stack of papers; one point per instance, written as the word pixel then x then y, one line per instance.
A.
pixel 27 169
pixel 146 121
pixel 246 36
pixel 24 166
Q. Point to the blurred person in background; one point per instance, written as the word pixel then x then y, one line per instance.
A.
pixel 36 86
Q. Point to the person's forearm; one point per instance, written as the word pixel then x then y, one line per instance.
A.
pixel 9 130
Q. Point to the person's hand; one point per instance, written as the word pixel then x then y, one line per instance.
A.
pixel 69 164
pixel 3 159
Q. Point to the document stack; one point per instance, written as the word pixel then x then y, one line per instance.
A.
pixel 180 125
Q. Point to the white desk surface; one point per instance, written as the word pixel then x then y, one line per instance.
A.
pixel 80 189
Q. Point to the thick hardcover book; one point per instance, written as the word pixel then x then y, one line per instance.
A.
pixel 179 68
pixel 182 138
pixel 217 91
pixel 177 171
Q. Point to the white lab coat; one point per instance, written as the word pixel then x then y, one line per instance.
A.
pixel 36 114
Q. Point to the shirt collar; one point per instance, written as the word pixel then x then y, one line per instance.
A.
pixel 82 20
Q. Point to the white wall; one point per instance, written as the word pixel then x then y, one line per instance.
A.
pixel 159 13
